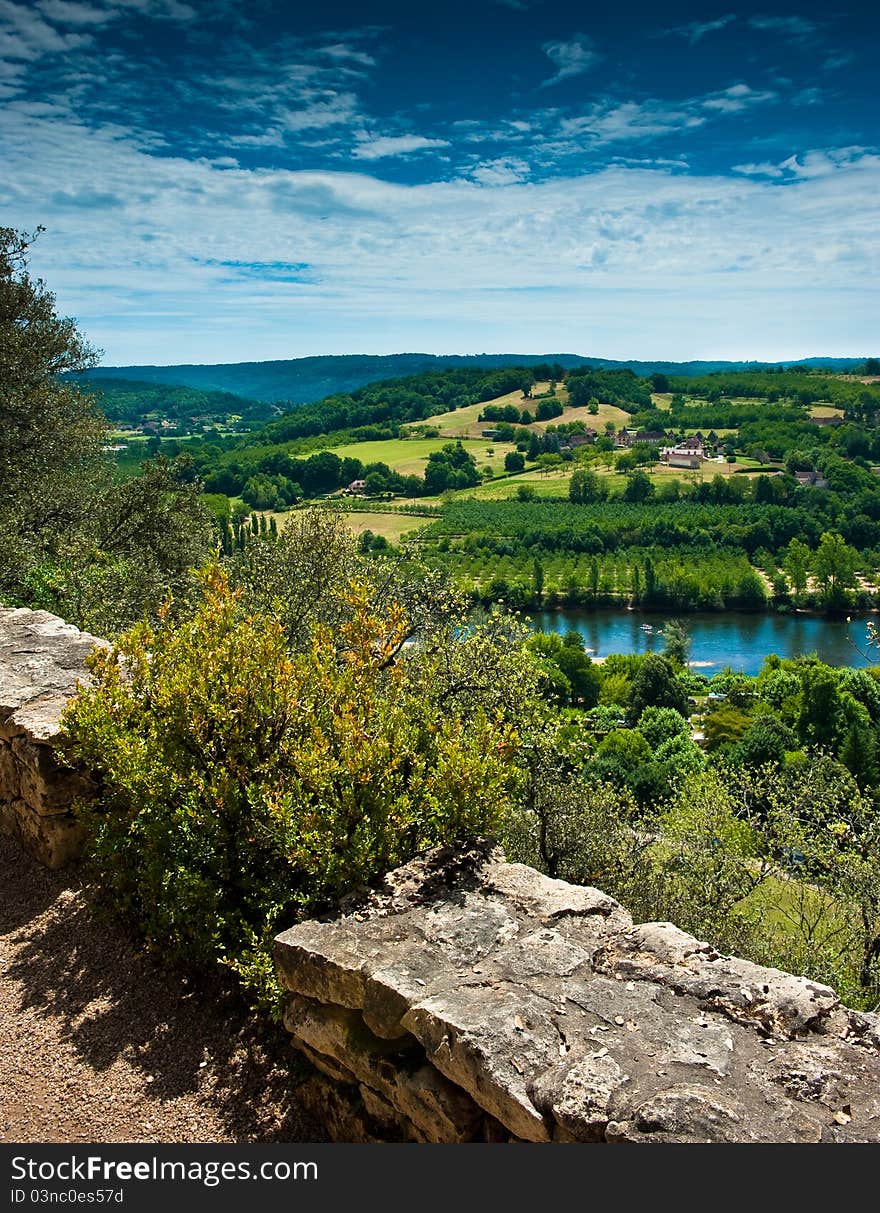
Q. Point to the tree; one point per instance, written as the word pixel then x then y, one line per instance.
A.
pixel 676 641
pixel 584 487
pixel 639 487
pixel 514 461
pixel 572 677
pixel 836 565
pixel 655 685
pixel 796 564
pixel 74 538
pixel 820 720
pixel 659 725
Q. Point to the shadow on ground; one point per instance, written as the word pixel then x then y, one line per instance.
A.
pixel 113 999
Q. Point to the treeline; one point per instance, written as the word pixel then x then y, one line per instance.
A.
pixel 793 386
pixel 620 388
pixel 654 579
pixel 616 524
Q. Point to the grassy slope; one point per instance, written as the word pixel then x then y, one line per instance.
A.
pixel 409 455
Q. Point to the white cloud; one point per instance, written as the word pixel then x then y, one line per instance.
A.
pixel 343 53
pixel 506 170
pixel 71 12
pixel 818 162
pixel 571 58
pixel 334 110
pixel 737 98
pixel 609 122
pixel 764 169
pixel 394 145
pixel 631 260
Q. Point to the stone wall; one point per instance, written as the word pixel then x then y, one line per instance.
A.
pixel 476 1000
pixel 41 660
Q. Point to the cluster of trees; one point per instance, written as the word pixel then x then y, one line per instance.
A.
pixel 75 538
pixel 813 544
pixel 621 388
pixel 281 481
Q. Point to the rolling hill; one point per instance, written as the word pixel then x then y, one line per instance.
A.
pixel 304 380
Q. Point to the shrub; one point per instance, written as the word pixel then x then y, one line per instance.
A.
pixel 243 784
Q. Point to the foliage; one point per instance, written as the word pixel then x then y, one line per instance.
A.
pixel 73 538
pixel 243 784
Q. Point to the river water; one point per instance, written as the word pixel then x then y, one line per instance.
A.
pixel 729 638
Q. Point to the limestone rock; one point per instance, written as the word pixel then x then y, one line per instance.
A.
pixel 42 660
pixel 558 1020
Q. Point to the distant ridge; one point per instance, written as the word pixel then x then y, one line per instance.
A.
pixel 303 380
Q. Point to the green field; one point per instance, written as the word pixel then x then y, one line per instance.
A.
pixel 408 456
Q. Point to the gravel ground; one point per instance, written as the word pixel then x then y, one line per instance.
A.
pixel 98 1043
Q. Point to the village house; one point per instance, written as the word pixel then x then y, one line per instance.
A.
pixel 356 487
pixel 688 453
pixel 814 479
pixel 588 436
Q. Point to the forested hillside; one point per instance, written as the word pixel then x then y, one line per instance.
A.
pixel 303 380
pixel 130 402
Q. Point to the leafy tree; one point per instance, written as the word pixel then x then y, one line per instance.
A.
pixel 820 715
pixel 659 725
pixel 50 433
pixel 572 676
pixel 725 726
pixel 655 685
pixel 836 566
pixel 764 743
pixel 74 539
pixel 514 461
pixel 585 487
pixel 676 641
pixel 639 487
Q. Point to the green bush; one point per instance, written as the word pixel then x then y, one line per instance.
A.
pixel 244 785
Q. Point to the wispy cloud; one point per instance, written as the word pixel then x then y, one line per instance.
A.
pixel 571 58
pixel 737 98
pixel 790 27
pixel 395 145
pixel 696 30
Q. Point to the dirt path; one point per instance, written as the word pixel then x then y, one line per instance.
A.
pixel 100 1044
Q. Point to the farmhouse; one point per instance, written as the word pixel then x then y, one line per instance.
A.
pixel 356 487
pixel 688 453
pixel 814 479
pixel 583 439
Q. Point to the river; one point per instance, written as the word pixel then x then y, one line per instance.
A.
pixel 731 638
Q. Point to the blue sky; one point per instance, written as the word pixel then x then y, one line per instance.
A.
pixel 226 181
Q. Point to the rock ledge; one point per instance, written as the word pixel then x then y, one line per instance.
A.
pixel 473 999
pixel 42 659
